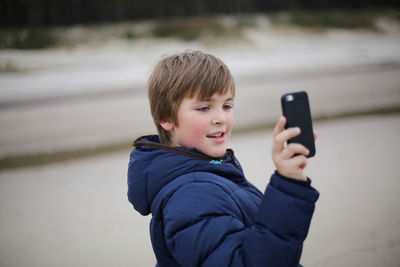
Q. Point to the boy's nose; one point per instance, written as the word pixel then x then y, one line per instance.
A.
pixel 219 118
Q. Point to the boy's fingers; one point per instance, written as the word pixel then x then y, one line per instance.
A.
pixel 280 139
pixel 300 162
pixel 287 134
pixel 280 125
pixel 315 136
pixel 293 149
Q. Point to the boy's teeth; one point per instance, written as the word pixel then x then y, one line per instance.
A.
pixel 216 135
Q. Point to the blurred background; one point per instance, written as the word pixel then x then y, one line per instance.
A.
pixel 73 98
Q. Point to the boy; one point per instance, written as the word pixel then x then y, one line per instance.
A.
pixel 204 211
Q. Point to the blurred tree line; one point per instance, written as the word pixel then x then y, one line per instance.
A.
pixel 17 13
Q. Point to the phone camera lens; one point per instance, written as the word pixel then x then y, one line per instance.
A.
pixel 289 98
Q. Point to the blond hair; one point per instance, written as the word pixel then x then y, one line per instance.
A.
pixel 186 74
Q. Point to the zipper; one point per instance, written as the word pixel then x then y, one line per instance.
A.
pixel 216 162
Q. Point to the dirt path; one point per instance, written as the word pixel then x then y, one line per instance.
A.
pixel 76 213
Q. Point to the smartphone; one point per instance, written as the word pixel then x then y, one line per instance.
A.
pixel 296 109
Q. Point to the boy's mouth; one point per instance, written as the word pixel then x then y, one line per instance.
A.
pixel 216 135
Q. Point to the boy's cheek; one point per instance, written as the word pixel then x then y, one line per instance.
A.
pixel 230 127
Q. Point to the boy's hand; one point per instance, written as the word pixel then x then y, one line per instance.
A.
pixel 282 155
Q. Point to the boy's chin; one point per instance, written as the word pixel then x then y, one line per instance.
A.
pixel 216 153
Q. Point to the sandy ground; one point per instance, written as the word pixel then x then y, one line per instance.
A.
pixel 76 213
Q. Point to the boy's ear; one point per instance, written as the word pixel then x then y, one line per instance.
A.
pixel 166 125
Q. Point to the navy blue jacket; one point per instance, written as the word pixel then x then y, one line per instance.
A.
pixel 205 212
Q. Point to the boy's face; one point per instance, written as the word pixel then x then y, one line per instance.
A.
pixel 204 124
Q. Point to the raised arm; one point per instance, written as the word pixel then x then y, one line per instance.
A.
pixel 204 224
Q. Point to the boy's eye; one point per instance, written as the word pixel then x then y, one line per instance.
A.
pixel 228 107
pixel 203 108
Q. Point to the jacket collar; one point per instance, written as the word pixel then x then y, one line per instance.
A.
pixel 154 142
pixel 153 165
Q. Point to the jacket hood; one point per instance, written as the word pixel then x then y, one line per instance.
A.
pixel 153 165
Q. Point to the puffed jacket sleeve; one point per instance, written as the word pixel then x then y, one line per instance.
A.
pixel 203 225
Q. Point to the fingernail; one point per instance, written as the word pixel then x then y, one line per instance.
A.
pixel 298 130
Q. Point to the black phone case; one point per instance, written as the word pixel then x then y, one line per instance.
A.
pixel 296 109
